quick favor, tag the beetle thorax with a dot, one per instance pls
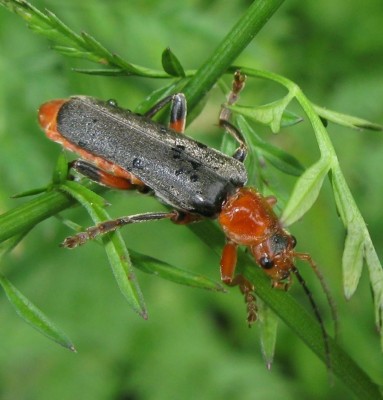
(247, 218)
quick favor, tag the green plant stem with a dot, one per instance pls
(229, 49)
(29, 214)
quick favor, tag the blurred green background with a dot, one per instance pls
(195, 344)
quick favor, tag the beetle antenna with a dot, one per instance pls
(317, 314)
(334, 315)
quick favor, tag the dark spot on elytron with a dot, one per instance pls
(180, 146)
(194, 178)
(94, 120)
(195, 164)
(82, 143)
(180, 171)
(163, 129)
(201, 145)
(176, 153)
(138, 163)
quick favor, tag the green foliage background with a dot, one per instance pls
(195, 344)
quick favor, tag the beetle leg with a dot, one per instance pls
(228, 264)
(177, 111)
(237, 86)
(159, 106)
(241, 152)
(111, 225)
(105, 178)
(225, 114)
(184, 218)
(247, 289)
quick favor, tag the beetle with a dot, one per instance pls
(124, 150)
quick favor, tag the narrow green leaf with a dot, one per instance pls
(134, 69)
(353, 220)
(24, 9)
(96, 46)
(339, 196)
(102, 71)
(50, 34)
(281, 160)
(88, 197)
(69, 223)
(346, 120)
(376, 278)
(121, 265)
(171, 64)
(33, 316)
(352, 260)
(63, 28)
(273, 114)
(114, 245)
(31, 192)
(159, 94)
(290, 119)
(76, 53)
(268, 325)
(166, 271)
(60, 172)
(305, 192)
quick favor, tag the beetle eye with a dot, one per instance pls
(293, 241)
(266, 263)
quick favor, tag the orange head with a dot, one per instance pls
(276, 255)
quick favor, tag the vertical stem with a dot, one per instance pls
(229, 49)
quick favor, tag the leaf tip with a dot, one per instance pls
(144, 315)
(348, 293)
(72, 348)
